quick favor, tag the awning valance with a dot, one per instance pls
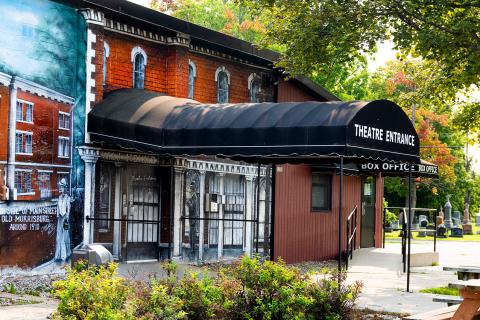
(144, 120)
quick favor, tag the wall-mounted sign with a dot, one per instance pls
(388, 167)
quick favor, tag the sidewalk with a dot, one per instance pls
(381, 272)
(31, 311)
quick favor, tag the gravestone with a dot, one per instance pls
(448, 213)
(456, 232)
(395, 224)
(422, 220)
(455, 222)
(422, 234)
(439, 220)
(477, 219)
(467, 224)
(442, 231)
(456, 214)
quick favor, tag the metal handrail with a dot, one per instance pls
(351, 234)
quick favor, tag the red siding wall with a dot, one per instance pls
(289, 91)
(4, 101)
(303, 235)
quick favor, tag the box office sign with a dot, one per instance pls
(428, 170)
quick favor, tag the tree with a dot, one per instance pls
(317, 34)
(220, 15)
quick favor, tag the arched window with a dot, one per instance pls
(139, 61)
(254, 87)
(192, 74)
(222, 77)
(106, 54)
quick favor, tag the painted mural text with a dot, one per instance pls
(27, 219)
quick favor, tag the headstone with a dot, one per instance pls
(448, 213)
(422, 234)
(439, 220)
(431, 233)
(440, 213)
(455, 222)
(467, 224)
(442, 231)
(456, 232)
(422, 219)
(395, 224)
(477, 219)
(456, 214)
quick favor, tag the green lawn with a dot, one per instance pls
(441, 290)
(474, 237)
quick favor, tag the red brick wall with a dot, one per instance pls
(119, 63)
(4, 101)
(289, 91)
(206, 87)
(167, 70)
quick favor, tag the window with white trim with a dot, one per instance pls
(192, 74)
(222, 77)
(63, 147)
(106, 55)
(139, 61)
(23, 142)
(24, 112)
(23, 181)
(63, 120)
(44, 184)
(254, 87)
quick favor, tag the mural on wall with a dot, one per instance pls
(42, 114)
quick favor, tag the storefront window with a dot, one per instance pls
(321, 191)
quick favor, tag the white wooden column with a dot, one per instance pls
(90, 156)
(220, 214)
(248, 215)
(117, 213)
(177, 212)
(202, 215)
(12, 127)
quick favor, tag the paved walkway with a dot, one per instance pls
(32, 311)
(385, 283)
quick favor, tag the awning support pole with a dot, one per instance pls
(170, 216)
(257, 227)
(340, 205)
(272, 213)
(409, 228)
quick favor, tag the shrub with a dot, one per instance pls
(249, 289)
(333, 298)
(265, 290)
(91, 293)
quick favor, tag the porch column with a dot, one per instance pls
(90, 156)
(202, 215)
(220, 215)
(177, 213)
(12, 127)
(117, 213)
(248, 215)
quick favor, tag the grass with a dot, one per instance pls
(442, 290)
(466, 237)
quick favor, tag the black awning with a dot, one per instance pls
(139, 119)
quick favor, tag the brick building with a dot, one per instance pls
(35, 141)
(169, 102)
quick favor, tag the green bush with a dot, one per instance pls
(266, 290)
(91, 293)
(249, 289)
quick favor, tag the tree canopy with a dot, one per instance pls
(317, 34)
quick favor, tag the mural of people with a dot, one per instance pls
(63, 250)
